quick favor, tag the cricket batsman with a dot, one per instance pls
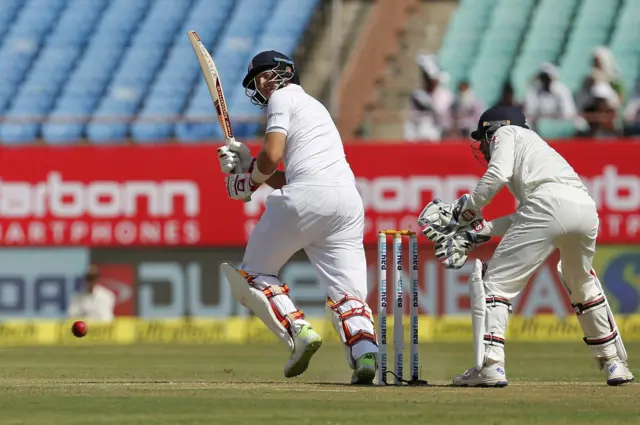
(555, 212)
(315, 206)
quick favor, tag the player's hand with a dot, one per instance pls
(440, 221)
(240, 186)
(235, 158)
(454, 251)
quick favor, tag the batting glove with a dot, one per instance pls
(235, 158)
(440, 221)
(454, 251)
(240, 186)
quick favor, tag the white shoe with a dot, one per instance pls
(493, 375)
(618, 372)
(306, 343)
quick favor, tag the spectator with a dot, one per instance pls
(508, 97)
(465, 111)
(422, 123)
(583, 98)
(600, 113)
(632, 114)
(430, 109)
(95, 301)
(548, 97)
(605, 70)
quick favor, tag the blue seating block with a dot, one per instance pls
(71, 59)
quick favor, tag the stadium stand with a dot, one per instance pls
(464, 34)
(111, 70)
(625, 42)
(499, 47)
(491, 43)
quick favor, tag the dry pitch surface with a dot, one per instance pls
(216, 385)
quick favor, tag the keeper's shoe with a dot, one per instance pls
(617, 371)
(305, 344)
(365, 371)
(492, 375)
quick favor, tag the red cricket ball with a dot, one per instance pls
(79, 329)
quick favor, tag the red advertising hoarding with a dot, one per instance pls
(172, 195)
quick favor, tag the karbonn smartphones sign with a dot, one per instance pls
(174, 195)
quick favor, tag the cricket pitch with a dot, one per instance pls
(555, 383)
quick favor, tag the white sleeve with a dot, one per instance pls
(106, 305)
(73, 310)
(631, 111)
(567, 104)
(531, 103)
(499, 226)
(500, 167)
(278, 113)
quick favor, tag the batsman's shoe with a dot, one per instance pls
(306, 343)
(618, 372)
(492, 375)
(365, 371)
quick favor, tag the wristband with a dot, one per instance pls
(257, 177)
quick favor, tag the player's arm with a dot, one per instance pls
(106, 303)
(499, 226)
(270, 156)
(500, 167)
(74, 309)
(274, 142)
(277, 180)
(263, 168)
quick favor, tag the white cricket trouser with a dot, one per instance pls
(553, 217)
(326, 221)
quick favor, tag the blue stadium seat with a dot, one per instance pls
(8, 12)
(56, 131)
(151, 132)
(107, 133)
(246, 23)
(100, 131)
(18, 133)
(62, 133)
(73, 63)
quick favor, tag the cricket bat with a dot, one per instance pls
(214, 84)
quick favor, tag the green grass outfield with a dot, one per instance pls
(555, 383)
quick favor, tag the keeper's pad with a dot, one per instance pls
(596, 320)
(489, 318)
(268, 299)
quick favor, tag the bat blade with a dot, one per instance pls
(214, 84)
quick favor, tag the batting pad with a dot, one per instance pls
(268, 299)
(352, 319)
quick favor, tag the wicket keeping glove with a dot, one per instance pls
(235, 158)
(454, 251)
(440, 221)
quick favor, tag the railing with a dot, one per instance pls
(76, 119)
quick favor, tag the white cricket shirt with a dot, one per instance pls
(523, 161)
(97, 305)
(313, 150)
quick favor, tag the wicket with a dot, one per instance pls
(398, 306)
